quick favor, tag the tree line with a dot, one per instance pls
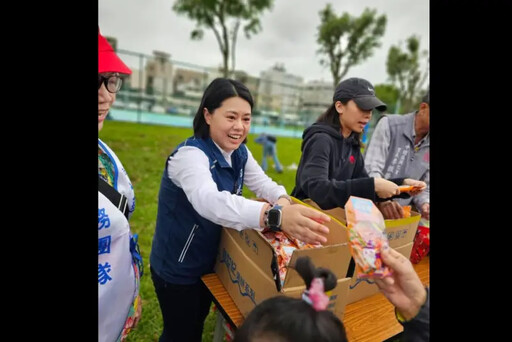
(344, 41)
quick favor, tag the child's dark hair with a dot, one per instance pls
(307, 270)
(216, 92)
(286, 319)
(332, 118)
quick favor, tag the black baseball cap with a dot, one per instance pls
(361, 91)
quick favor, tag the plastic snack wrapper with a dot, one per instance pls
(407, 210)
(284, 246)
(408, 188)
(421, 246)
(366, 237)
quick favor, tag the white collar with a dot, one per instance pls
(226, 155)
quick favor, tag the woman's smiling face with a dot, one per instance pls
(230, 123)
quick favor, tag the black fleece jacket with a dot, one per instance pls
(331, 168)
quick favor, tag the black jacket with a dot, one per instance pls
(331, 168)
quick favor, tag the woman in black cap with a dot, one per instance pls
(331, 167)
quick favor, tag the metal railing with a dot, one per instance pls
(160, 85)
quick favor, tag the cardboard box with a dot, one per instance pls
(400, 234)
(247, 267)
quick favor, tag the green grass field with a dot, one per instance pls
(143, 150)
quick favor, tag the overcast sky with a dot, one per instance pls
(288, 34)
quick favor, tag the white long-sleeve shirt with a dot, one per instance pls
(189, 169)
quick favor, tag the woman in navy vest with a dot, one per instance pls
(200, 192)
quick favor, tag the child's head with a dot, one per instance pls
(286, 319)
(224, 113)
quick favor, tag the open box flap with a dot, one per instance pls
(334, 257)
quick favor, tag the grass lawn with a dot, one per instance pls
(143, 150)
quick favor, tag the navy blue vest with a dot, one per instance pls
(185, 244)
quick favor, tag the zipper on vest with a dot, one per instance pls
(187, 244)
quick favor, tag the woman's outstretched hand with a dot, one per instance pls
(305, 223)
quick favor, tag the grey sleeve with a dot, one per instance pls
(424, 197)
(377, 150)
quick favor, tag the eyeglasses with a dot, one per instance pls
(113, 82)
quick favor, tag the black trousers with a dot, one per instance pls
(184, 309)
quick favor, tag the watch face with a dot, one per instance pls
(274, 217)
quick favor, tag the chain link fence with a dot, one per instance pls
(165, 91)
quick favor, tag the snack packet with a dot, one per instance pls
(284, 246)
(408, 188)
(421, 246)
(366, 237)
(407, 210)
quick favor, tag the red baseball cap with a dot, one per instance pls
(108, 61)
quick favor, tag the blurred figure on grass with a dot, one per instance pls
(269, 150)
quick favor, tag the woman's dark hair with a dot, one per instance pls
(286, 319)
(332, 118)
(216, 92)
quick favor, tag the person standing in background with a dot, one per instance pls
(269, 143)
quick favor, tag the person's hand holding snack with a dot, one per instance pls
(403, 288)
(418, 186)
(385, 188)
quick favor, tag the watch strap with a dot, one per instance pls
(265, 216)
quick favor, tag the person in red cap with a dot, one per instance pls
(110, 66)
(119, 261)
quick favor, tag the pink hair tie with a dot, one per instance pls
(315, 295)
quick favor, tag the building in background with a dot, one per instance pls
(159, 74)
(189, 85)
(316, 98)
(280, 92)
(161, 85)
(251, 82)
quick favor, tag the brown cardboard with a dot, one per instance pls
(244, 266)
(400, 234)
